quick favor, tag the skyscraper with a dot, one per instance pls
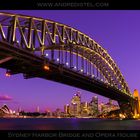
(84, 109)
(75, 107)
(67, 109)
(93, 106)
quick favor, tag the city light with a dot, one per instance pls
(122, 116)
(76, 108)
(81, 70)
(57, 59)
(46, 67)
(67, 63)
(7, 74)
(74, 67)
(136, 116)
(47, 54)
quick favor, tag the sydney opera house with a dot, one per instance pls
(5, 111)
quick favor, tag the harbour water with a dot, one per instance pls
(67, 124)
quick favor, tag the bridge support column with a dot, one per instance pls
(136, 104)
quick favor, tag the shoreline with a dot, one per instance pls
(67, 118)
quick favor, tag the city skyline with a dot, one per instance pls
(114, 32)
(75, 100)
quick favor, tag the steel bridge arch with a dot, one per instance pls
(39, 35)
(93, 61)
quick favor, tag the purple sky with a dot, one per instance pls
(116, 31)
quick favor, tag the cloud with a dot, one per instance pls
(5, 98)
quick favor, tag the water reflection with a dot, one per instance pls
(68, 124)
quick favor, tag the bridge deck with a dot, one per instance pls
(32, 66)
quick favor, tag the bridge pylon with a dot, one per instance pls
(136, 104)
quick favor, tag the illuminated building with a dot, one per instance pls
(67, 109)
(75, 107)
(93, 106)
(103, 108)
(5, 111)
(84, 109)
(108, 107)
(57, 113)
(111, 106)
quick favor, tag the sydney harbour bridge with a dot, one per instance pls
(47, 49)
